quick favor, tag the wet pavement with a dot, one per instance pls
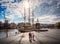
(45, 37)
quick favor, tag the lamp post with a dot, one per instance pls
(26, 6)
(6, 24)
(33, 19)
(3, 8)
(29, 13)
(24, 18)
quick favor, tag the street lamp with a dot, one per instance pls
(3, 8)
(26, 6)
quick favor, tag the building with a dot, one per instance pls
(37, 25)
(20, 26)
(1, 25)
(13, 26)
(24, 26)
(6, 24)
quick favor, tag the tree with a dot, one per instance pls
(1, 25)
(57, 25)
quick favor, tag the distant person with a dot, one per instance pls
(30, 36)
(15, 32)
(33, 37)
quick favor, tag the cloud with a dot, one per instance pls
(48, 11)
(48, 19)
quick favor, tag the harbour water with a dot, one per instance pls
(10, 33)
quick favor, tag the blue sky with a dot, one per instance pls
(47, 11)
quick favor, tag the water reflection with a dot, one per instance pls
(10, 33)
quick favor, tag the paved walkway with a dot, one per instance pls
(48, 37)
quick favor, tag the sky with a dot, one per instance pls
(46, 11)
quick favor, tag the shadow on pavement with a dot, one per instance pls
(21, 38)
(41, 30)
(38, 40)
